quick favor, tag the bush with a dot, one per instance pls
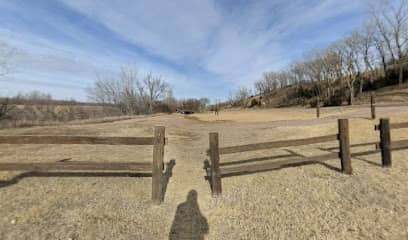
(5, 109)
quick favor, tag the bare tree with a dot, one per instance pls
(268, 83)
(392, 24)
(128, 93)
(352, 63)
(6, 54)
(156, 89)
(241, 95)
(367, 45)
(5, 109)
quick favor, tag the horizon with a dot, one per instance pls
(202, 48)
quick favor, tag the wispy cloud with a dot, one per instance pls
(203, 48)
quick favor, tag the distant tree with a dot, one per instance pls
(156, 89)
(204, 103)
(268, 83)
(241, 95)
(5, 109)
(391, 20)
(352, 67)
(6, 54)
(128, 93)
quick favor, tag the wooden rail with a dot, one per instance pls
(399, 125)
(277, 144)
(217, 170)
(244, 169)
(22, 139)
(155, 168)
(77, 166)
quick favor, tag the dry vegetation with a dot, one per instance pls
(49, 114)
(306, 202)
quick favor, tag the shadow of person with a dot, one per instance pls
(189, 223)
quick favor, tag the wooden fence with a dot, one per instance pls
(218, 170)
(386, 144)
(155, 168)
(373, 106)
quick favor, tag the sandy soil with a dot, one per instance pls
(306, 202)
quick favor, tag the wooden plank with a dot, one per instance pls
(266, 166)
(385, 136)
(399, 144)
(399, 125)
(76, 140)
(77, 166)
(157, 170)
(344, 140)
(277, 144)
(215, 165)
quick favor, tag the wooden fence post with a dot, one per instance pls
(373, 115)
(344, 139)
(385, 136)
(215, 165)
(157, 166)
(318, 107)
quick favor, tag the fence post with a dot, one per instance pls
(318, 107)
(385, 136)
(373, 115)
(157, 166)
(344, 139)
(215, 165)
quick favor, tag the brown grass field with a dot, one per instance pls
(313, 201)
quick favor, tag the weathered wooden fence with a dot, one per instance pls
(386, 144)
(155, 168)
(373, 106)
(217, 170)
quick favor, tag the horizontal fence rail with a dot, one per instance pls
(217, 170)
(399, 125)
(155, 167)
(277, 144)
(243, 169)
(76, 140)
(76, 166)
(401, 144)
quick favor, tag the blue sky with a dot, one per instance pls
(203, 48)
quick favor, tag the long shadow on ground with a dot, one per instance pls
(166, 175)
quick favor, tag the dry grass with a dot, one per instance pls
(274, 114)
(307, 202)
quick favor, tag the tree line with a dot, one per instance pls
(140, 95)
(374, 53)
